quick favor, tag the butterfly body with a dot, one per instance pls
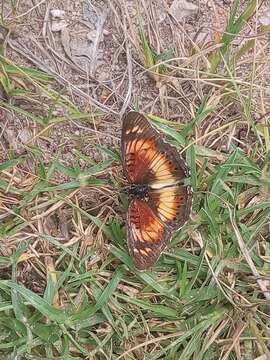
(139, 191)
(160, 200)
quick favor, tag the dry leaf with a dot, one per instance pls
(197, 237)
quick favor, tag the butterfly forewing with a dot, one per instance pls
(149, 160)
(147, 235)
(141, 154)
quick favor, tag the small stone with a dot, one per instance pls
(24, 135)
(264, 20)
(182, 8)
(58, 14)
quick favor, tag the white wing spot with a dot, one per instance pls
(135, 129)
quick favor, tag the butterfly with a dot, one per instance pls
(160, 201)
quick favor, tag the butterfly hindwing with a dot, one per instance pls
(147, 235)
(172, 205)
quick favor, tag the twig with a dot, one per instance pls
(237, 335)
(128, 94)
(36, 6)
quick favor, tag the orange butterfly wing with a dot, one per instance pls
(147, 235)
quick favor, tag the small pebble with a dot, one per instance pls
(91, 35)
(265, 19)
(24, 135)
(57, 13)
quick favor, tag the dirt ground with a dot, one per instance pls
(93, 49)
